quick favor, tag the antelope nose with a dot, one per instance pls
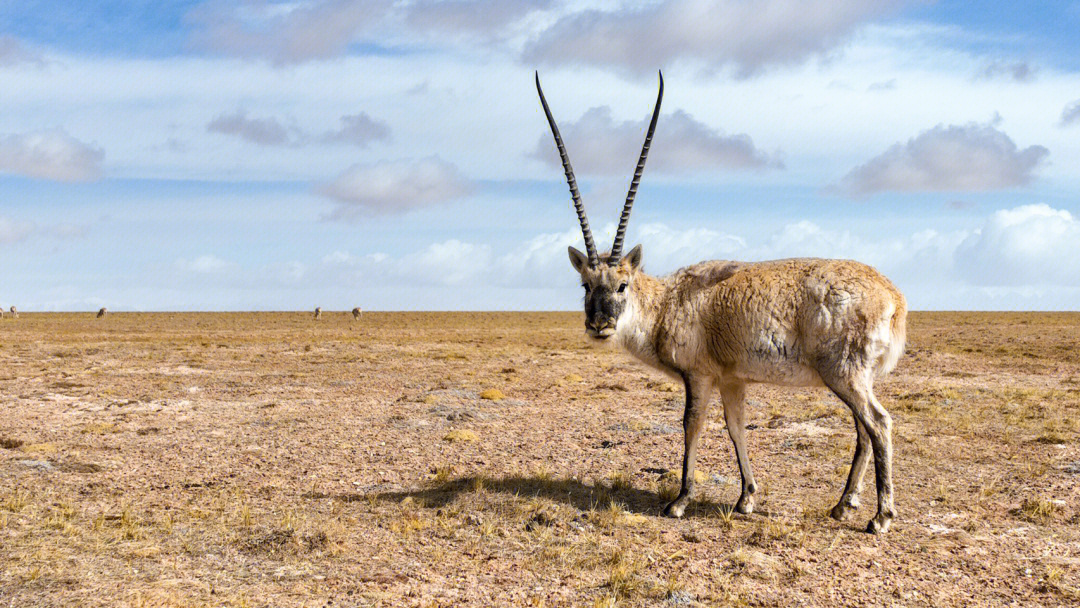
(599, 325)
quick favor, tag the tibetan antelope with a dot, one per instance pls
(318, 313)
(357, 313)
(720, 326)
(102, 312)
(14, 313)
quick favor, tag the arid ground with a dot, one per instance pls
(497, 459)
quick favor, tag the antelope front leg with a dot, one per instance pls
(734, 398)
(849, 501)
(698, 391)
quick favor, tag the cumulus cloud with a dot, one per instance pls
(395, 186)
(358, 130)
(51, 155)
(444, 263)
(748, 36)
(953, 158)
(1026, 245)
(1020, 71)
(1071, 114)
(284, 32)
(261, 131)
(12, 52)
(477, 18)
(598, 144)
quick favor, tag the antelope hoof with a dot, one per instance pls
(879, 525)
(843, 509)
(745, 504)
(676, 508)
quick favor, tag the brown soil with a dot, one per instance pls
(494, 459)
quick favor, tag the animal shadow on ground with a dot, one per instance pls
(569, 491)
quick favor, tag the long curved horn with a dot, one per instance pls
(616, 247)
(590, 246)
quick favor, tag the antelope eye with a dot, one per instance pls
(622, 288)
(586, 287)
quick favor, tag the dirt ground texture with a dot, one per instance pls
(499, 459)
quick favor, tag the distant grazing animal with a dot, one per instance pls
(14, 313)
(723, 325)
(356, 313)
(318, 313)
(101, 313)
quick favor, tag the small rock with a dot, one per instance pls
(719, 479)
(40, 465)
(573, 378)
(680, 598)
(474, 519)
(1073, 467)
(493, 394)
(691, 536)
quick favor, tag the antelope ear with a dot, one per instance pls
(577, 259)
(633, 258)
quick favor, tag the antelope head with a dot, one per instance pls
(608, 279)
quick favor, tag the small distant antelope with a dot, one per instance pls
(101, 313)
(723, 325)
(14, 313)
(318, 312)
(357, 313)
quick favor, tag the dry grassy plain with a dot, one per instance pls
(497, 459)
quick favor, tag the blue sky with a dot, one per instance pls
(265, 155)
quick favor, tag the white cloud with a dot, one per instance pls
(488, 21)
(284, 32)
(1027, 245)
(261, 131)
(395, 186)
(12, 52)
(665, 248)
(748, 36)
(12, 230)
(358, 130)
(597, 144)
(355, 129)
(51, 155)
(955, 158)
(1071, 113)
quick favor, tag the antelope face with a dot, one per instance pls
(607, 289)
(608, 280)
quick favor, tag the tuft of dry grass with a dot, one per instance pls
(461, 435)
